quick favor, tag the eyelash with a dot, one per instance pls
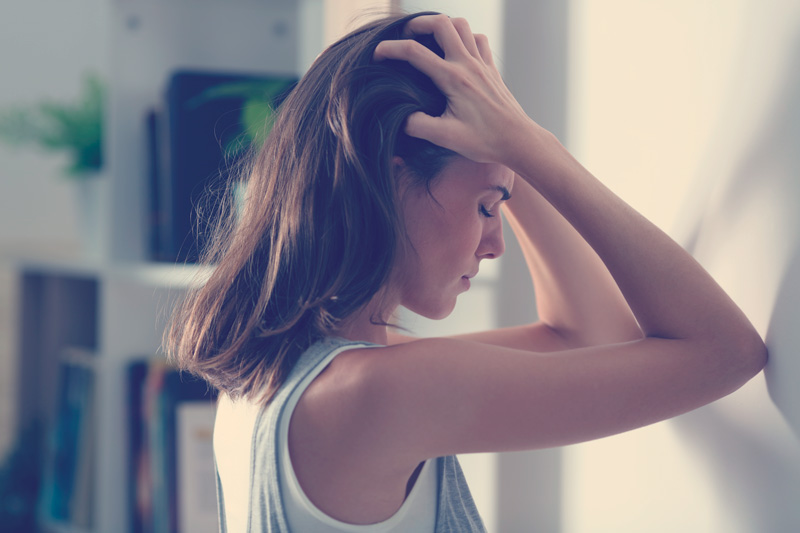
(485, 212)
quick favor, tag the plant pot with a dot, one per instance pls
(90, 200)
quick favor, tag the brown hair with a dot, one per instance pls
(320, 226)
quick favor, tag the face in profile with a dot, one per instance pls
(450, 231)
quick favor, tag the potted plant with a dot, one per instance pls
(74, 128)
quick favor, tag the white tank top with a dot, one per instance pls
(233, 438)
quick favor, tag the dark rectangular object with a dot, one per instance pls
(204, 120)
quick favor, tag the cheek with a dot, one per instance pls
(427, 226)
(464, 235)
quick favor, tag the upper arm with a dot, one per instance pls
(538, 337)
(437, 397)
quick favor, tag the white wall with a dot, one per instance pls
(46, 46)
(689, 111)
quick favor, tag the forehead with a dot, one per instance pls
(469, 174)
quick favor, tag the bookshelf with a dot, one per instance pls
(113, 314)
(113, 307)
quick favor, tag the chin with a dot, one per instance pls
(433, 311)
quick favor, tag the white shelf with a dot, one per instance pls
(150, 40)
(148, 274)
(118, 304)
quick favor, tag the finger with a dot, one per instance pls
(439, 131)
(442, 29)
(482, 43)
(462, 27)
(422, 126)
(416, 54)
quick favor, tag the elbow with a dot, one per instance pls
(757, 355)
(748, 353)
(734, 354)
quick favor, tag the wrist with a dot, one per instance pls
(532, 151)
(522, 138)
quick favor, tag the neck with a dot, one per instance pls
(360, 327)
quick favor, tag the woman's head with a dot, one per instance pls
(322, 224)
(452, 226)
(329, 172)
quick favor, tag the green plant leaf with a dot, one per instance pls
(19, 126)
(76, 128)
(257, 118)
(257, 113)
(264, 90)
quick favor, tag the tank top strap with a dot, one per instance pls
(266, 509)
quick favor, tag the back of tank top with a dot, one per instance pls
(257, 490)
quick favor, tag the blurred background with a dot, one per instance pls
(690, 111)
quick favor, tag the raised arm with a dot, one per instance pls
(577, 300)
(576, 296)
(670, 294)
(440, 396)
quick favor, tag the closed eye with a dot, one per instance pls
(485, 212)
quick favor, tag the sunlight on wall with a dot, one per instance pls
(649, 85)
(640, 481)
(646, 87)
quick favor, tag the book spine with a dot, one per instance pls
(68, 486)
(162, 406)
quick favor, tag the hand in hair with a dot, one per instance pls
(482, 115)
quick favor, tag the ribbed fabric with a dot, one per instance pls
(456, 511)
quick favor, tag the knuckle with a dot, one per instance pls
(441, 20)
(460, 23)
(405, 45)
(414, 48)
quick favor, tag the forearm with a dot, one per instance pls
(668, 292)
(575, 294)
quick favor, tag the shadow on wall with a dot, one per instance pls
(747, 235)
(783, 339)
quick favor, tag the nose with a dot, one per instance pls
(492, 244)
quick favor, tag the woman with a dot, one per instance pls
(380, 185)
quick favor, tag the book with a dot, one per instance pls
(196, 477)
(139, 499)
(68, 480)
(158, 231)
(171, 465)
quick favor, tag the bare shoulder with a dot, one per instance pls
(336, 442)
